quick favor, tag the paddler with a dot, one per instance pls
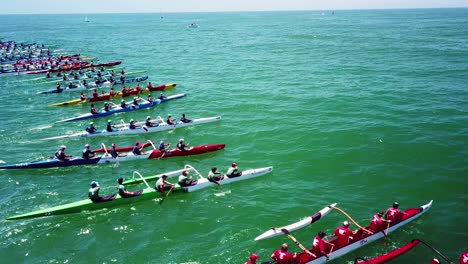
(318, 246)
(233, 171)
(282, 255)
(91, 128)
(93, 110)
(344, 234)
(183, 119)
(393, 214)
(113, 151)
(122, 190)
(87, 153)
(252, 259)
(82, 97)
(170, 120)
(95, 94)
(123, 104)
(110, 126)
(161, 96)
(150, 98)
(133, 124)
(376, 224)
(60, 154)
(182, 146)
(215, 176)
(163, 146)
(149, 86)
(137, 148)
(163, 185)
(93, 193)
(184, 180)
(150, 123)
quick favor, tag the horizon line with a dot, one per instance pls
(243, 11)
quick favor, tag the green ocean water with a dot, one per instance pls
(361, 108)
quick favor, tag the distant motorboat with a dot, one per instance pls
(86, 19)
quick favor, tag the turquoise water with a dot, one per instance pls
(362, 108)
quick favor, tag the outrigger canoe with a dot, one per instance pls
(276, 231)
(74, 67)
(108, 96)
(107, 158)
(130, 107)
(361, 238)
(145, 194)
(82, 87)
(123, 129)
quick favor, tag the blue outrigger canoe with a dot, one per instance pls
(118, 109)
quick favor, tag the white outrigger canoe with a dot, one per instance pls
(276, 231)
(361, 238)
(124, 129)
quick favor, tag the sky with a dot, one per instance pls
(170, 6)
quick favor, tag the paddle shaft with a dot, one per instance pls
(351, 219)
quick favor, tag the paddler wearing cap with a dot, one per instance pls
(233, 171)
(163, 146)
(344, 234)
(133, 124)
(91, 128)
(182, 146)
(61, 155)
(87, 153)
(163, 185)
(393, 213)
(93, 193)
(150, 123)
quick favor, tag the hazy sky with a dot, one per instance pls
(155, 6)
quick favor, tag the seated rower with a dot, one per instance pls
(161, 97)
(85, 83)
(344, 235)
(110, 126)
(163, 146)
(182, 146)
(93, 193)
(136, 99)
(233, 171)
(137, 148)
(377, 223)
(111, 92)
(170, 121)
(113, 151)
(70, 85)
(163, 185)
(393, 214)
(123, 104)
(124, 91)
(95, 94)
(151, 123)
(91, 128)
(184, 180)
(183, 119)
(133, 124)
(123, 191)
(150, 98)
(87, 153)
(138, 88)
(94, 111)
(215, 176)
(318, 246)
(60, 154)
(149, 86)
(82, 97)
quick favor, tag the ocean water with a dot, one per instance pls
(361, 108)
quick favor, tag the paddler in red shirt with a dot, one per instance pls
(393, 213)
(95, 94)
(149, 86)
(318, 246)
(377, 223)
(253, 259)
(344, 234)
(282, 255)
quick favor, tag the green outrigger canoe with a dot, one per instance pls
(144, 194)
